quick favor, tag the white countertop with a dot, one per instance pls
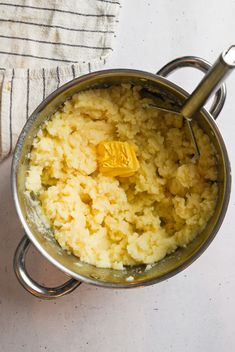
(193, 311)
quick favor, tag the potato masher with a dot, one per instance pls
(207, 86)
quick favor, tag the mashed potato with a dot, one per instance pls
(111, 222)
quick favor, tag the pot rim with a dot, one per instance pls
(15, 162)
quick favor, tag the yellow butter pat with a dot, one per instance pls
(117, 159)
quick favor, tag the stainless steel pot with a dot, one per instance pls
(45, 243)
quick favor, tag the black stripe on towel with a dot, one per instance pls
(10, 121)
(55, 10)
(27, 96)
(73, 71)
(36, 57)
(54, 26)
(110, 2)
(58, 76)
(43, 84)
(55, 43)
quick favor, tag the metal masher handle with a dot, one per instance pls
(202, 65)
(210, 83)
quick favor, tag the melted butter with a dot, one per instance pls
(117, 159)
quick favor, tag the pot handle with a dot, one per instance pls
(202, 65)
(32, 286)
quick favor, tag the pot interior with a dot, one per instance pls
(171, 95)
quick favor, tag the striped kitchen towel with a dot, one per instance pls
(44, 44)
